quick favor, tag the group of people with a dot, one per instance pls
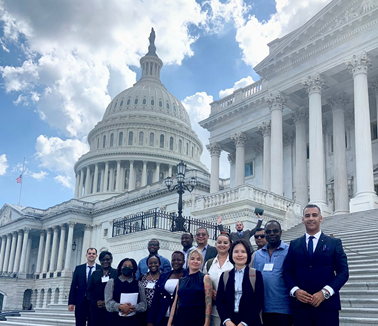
(228, 284)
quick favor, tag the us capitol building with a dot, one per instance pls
(306, 131)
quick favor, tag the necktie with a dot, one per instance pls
(310, 246)
(89, 273)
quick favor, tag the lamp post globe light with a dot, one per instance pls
(180, 187)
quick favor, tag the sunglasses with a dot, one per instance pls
(262, 236)
(275, 231)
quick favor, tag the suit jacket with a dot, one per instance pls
(95, 288)
(328, 266)
(251, 303)
(79, 284)
(211, 252)
(247, 234)
(161, 300)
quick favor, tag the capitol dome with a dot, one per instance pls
(144, 134)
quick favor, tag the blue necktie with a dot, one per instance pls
(89, 273)
(311, 246)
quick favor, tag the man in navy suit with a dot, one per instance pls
(77, 299)
(314, 271)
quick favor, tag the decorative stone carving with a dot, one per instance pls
(366, 6)
(338, 101)
(264, 128)
(288, 138)
(214, 149)
(359, 64)
(276, 101)
(299, 115)
(258, 148)
(231, 158)
(239, 138)
(374, 88)
(314, 84)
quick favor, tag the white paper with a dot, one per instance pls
(268, 267)
(131, 298)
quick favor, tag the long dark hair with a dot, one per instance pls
(133, 262)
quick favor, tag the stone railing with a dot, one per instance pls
(236, 97)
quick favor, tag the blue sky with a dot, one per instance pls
(62, 61)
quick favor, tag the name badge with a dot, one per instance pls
(150, 285)
(104, 279)
(268, 267)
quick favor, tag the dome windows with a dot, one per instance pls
(131, 135)
(152, 102)
(115, 105)
(160, 104)
(167, 106)
(141, 136)
(186, 149)
(104, 141)
(171, 143)
(144, 101)
(161, 141)
(174, 107)
(136, 101)
(180, 146)
(98, 143)
(152, 139)
(111, 140)
(120, 139)
(121, 103)
(128, 102)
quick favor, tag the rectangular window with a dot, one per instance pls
(374, 131)
(105, 233)
(249, 169)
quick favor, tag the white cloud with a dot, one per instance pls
(59, 156)
(254, 35)
(78, 53)
(239, 84)
(38, 176)
(3, 164)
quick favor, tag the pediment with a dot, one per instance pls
(8, 214)
(336, 16)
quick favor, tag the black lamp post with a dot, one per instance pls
(180, 187)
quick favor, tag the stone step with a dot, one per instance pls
(351, 321)
(359, 312)
(358, 303)
(53, 310)
(366, 278)
(363, 271)
(355, 294)
(51, 315)
(37, 321)
(361, 285)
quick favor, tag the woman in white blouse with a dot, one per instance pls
(215, 267)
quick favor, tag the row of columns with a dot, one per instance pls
(84, 177)
(273, 146)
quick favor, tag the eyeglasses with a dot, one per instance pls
(262, 236)
(275, 231)
(105, 259)
(201, 234)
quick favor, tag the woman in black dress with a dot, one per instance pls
(125, 313)
(96, 287)
(192, 305)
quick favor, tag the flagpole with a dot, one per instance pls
(22, 181)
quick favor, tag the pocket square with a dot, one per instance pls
(325, 248)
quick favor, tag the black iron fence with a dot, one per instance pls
(156, 219)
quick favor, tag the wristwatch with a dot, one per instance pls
(326, 294)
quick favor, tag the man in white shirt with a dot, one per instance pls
(187, 246)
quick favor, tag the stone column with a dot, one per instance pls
(239, 140)
(87, 189)
(131, 177)
(2, 252)
(67, 261)
(300, 117)
(157, 172)
(16, 264)
(144, 174)
(62, 241)
(365, 197)
(77, 185)
(7, 252)
(170, 170)
(337, 103)
(314, 86)
(264, 128)
(111, 179)
(40, 251)
(215, 151)
(276, 103)
(95, 179)
(12, 252)
(119, 175)
(81, 183)
(86, 241)
(54, 249)
(47, 251)
(24, 250)
(105, 183)
(27, 261)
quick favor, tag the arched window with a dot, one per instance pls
(115, 105)
(121, 103)
(187, 149)
(167, 106)
(144, 101)
(180, 146)
(131, 138)
(161, 141)
(171, 143)
(192, 151)
(161, 104)
(104, 141)
(152, 102)
(120, 139)
(152, 139)
(136, 101)
(128, 102)
(150, 175)
(111, 140)
(141, 136)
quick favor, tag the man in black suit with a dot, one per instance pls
(208, 252)
(240, 232)
(314, 271)
(77, 299)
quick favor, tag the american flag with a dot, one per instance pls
(19, 179)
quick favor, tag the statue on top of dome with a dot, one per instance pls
(152, 47)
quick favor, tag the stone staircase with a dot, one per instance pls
(359, 234)
(53, 315)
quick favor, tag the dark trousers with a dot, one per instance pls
(99, 317)
(275, 319)
(82, 313)
(315, 317)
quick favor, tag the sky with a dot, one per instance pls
(63, 61)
